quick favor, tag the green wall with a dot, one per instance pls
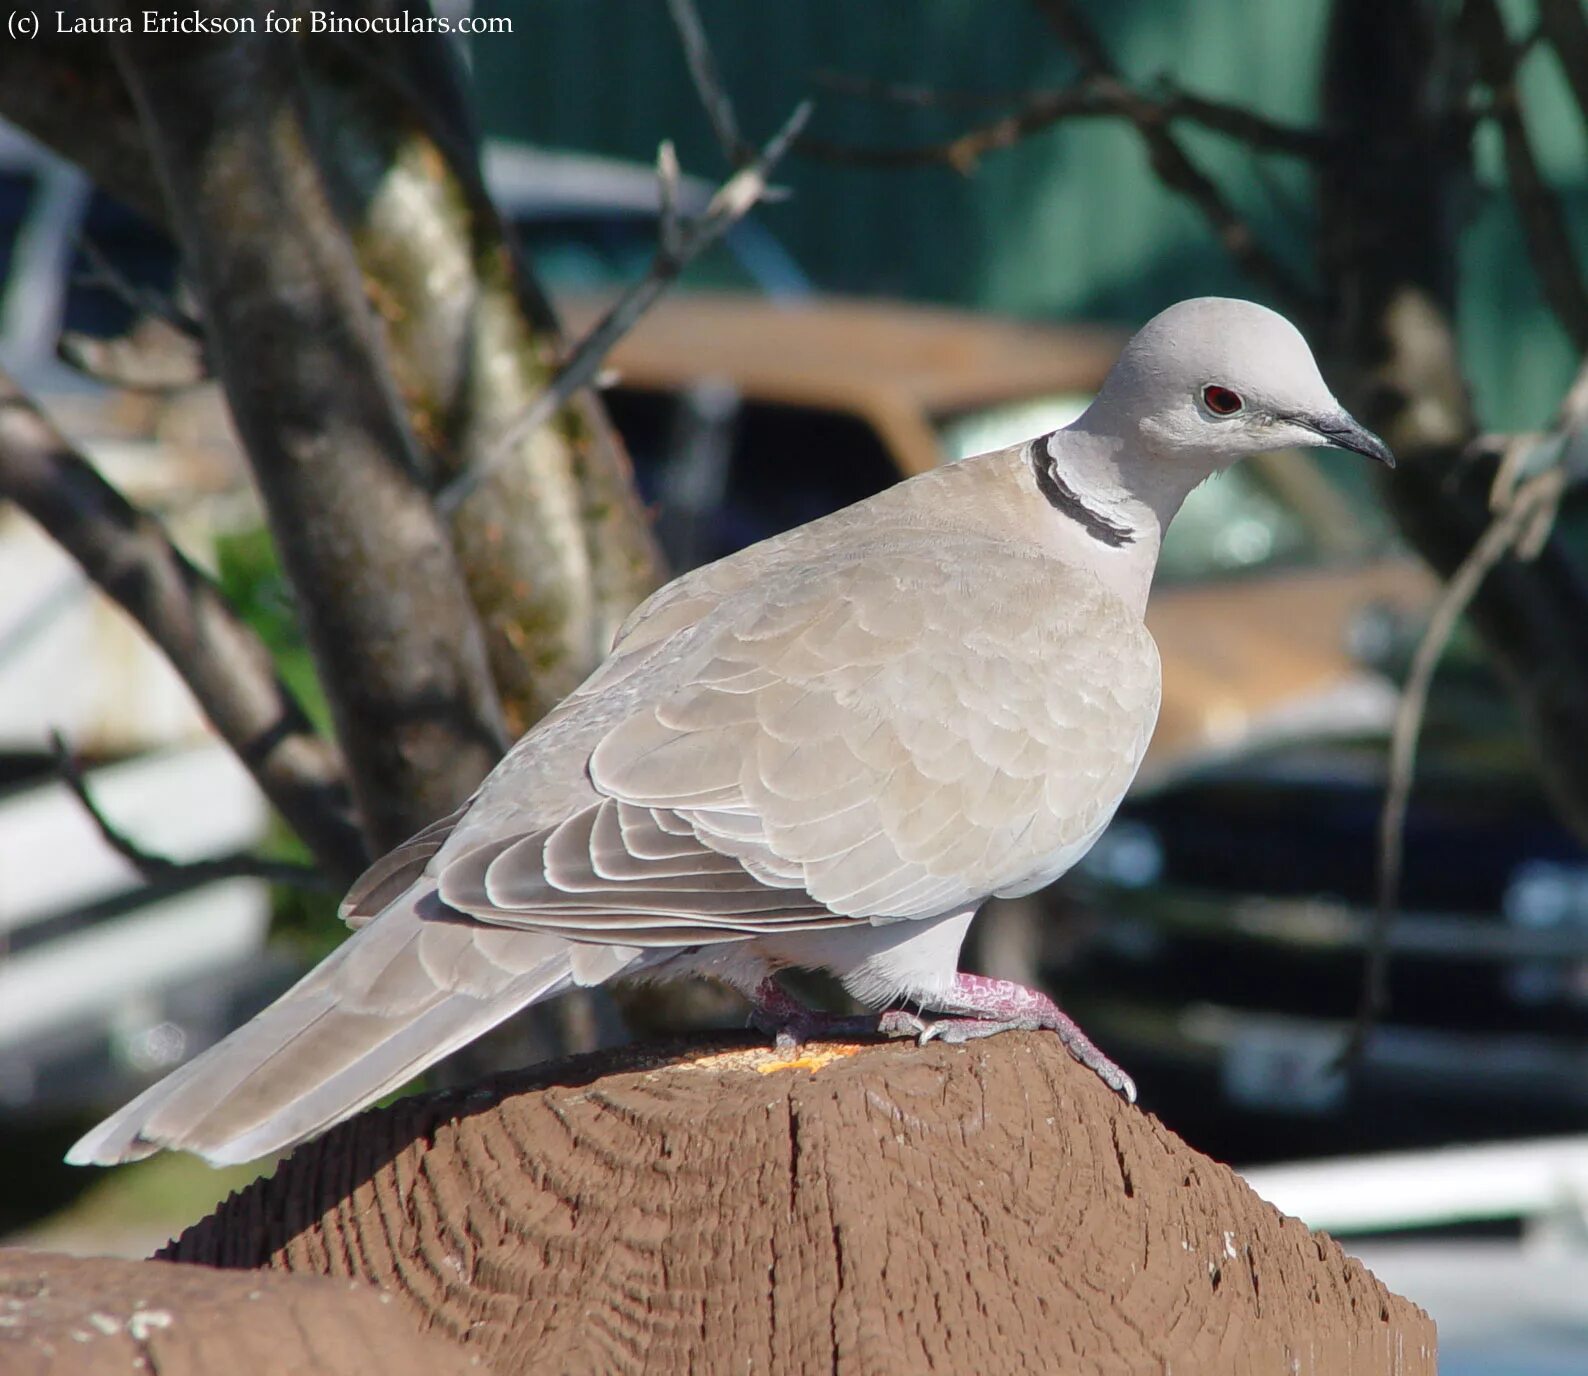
(1070, 223)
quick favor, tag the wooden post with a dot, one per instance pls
(95, 1316)
(877, 1209)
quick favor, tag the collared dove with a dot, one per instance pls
(825, 751)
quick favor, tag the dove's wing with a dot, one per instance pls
(892, 734)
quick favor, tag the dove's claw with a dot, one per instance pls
(982, 1007)
(898, 1022)
(973, 1007)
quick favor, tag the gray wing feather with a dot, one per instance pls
(884, 738)
(392, 999)
(389, 877)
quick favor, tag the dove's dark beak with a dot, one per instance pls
(1342, 432)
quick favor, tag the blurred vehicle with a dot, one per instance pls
(1215, 934)
(1231, 911)
(745, 416)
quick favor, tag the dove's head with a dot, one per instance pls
(1211, 380)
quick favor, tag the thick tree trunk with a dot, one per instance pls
(379, 590)
(882, 1209)
(554, 545)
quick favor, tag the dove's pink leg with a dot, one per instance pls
(779, 1014)
(982, 1007)
(976, 1006)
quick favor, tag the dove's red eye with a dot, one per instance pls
(1221, 401)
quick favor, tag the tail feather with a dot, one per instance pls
(397, 996)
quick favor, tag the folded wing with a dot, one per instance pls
(890, 737)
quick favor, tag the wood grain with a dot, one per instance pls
(897, 1209)
(82, 1316)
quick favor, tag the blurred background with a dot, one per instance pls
(984, 201)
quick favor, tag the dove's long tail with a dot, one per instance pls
(397, 996)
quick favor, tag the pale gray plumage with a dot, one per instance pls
(827, 750)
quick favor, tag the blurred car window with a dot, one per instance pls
(144, 260)
(785, 465)
(16, 192)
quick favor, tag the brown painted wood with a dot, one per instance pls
(83, 1316)
(899, 1209)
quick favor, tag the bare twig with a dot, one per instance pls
(1029, 113)
(344, 483)
(144, 300)
(163, 351)
(708, 82)
(732, 201)
(1525, 499)
(224, 663)
(669, 227)
(158, 869)
(1536, 496)
(1261, 133)
(965, 151)
(1549, 240)
(1173, 165)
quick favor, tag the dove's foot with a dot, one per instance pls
(790, 1023)
(982, 1007)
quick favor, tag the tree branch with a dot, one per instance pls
(1260, 133)
(1549, 240)
(965, 151)
(224, 664)
(1089, 98)
(144, 300)
(67, 93)
(1174, 166)
(556, 547)
(157, 869)
(708, 82)
(1535, 499)
(677, 247)
(164, 349)
(384, 605)
(1525, 508)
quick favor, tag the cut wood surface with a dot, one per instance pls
(82, 1316)
(876, 1209)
